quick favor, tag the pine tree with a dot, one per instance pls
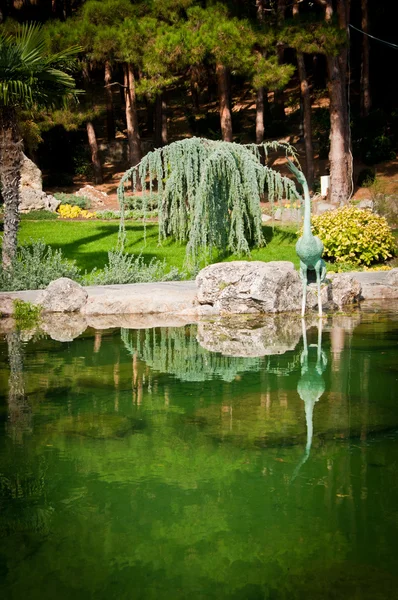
(227, 44)
(340, 157)
(98, 23)
(306, 99)
(311, 36)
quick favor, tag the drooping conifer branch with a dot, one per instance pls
(175, 350)
(209, 193)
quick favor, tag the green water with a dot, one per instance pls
(142, 465)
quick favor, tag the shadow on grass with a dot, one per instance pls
(282, 233)
(91, 249)
(138, 241)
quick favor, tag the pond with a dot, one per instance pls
(226, 459)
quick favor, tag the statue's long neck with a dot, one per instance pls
(307, 211)
(309, 411)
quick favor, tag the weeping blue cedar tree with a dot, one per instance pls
(210, 193)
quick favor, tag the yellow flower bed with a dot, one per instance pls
(66, 211)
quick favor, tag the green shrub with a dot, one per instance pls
(39, 215)
(127, 268)
(108, 215)
(151, 201)
(136, 215)
(26, 315)
(35, 266)
(352, 235)
(80, 201)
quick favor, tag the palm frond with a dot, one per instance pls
(29, 76)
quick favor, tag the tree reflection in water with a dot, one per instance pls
(19, 410)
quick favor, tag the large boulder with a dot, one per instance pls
(31, 192)
(63, 295)
(250, 287)
(243, 287)
(340, 289)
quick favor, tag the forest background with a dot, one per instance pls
(156, 71)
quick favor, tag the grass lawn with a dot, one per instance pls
(88, 242)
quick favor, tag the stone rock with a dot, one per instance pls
(63, 295)
(288, 214)
(51, 203)
(63, 328)
(30, 175)
(366, 204)
(265, 218)
(141, 298)
(6, 305)
(95, 196)
(346, 289)
(379, 292)
(392, 277)
(322, 207)
(341, 289)
(32, 199)
(250, 287)
(7, 325)
(270, 335)
(31, 189)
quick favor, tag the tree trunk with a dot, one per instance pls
(3, 14)
(225, 108)
(67, 8)
(150, 115)
(306, 97)
(279, 96)
(91, 135)
(92, 141)
(164, 120)
(261, 93)
(305, 93)
(366, 100)
(19, 410)
(340, 157)
(10, 175)
(59, 9)
(160, 121)
(110, 121)
(260, 116)
(133, 135)
(195, 90)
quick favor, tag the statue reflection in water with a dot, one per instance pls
(311, 385)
